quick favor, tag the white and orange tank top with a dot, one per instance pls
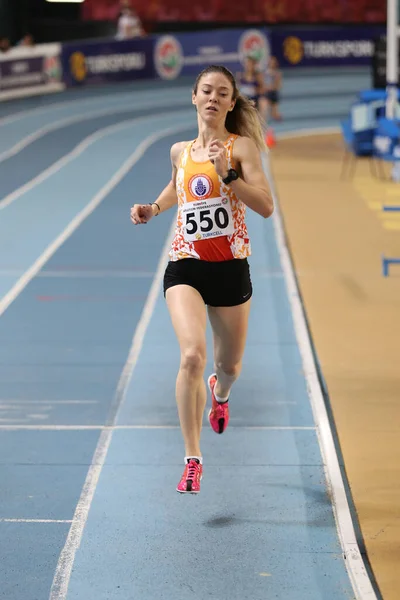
(211, 219)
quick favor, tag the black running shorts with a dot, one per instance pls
(224, 283)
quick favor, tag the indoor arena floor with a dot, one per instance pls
(91, 450)
(338, 235)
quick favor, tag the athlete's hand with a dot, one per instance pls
(141, 213)
(217, 155)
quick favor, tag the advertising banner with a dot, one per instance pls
(188, 53)
(379, 64)
(27, 71)
(107, 61)
(325, 47)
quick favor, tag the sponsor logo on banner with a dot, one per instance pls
(19, 68)
(168, 57)
(293, 49)
(52, 68)
(254, 44)
(77, 65)
(107, 61)
(296, 50)
(25, 71)
(189, 53)
(201, 186)
(82, 66)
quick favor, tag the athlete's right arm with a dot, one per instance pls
(168, 197)
(142, 213)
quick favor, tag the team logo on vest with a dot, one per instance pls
(293, 49)
(254, 44)
(168, 57)
(201, 186)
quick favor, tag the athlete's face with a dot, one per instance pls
(213, 97)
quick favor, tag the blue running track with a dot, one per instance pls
(90, 448)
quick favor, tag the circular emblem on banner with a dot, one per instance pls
(201, 186)
(293, 49)
(254, 44)
(77, 64)
(52, 68)
(168, 57)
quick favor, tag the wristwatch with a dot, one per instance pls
(232, 176)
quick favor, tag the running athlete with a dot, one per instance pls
(250, 81)
(214, 178)
(251, 84)
(273, 80)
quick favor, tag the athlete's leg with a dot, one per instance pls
(188, 315)
(263, 109)
(276, 115)
(229, 325)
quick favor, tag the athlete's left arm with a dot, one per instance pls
(252, 187)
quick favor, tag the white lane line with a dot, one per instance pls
(127, 427)
(41, 110)
(35, 521)
(59, 588)
(21, 427)
(42, 131)
(354, 563)
(133, 96)
(83, 214)
(77, 151)
(93, 274)
(22, 114)
(4, 402)
(276, 427)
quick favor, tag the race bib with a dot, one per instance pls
(205, 219)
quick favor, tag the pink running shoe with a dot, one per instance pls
(190, 481)
(219, 413)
